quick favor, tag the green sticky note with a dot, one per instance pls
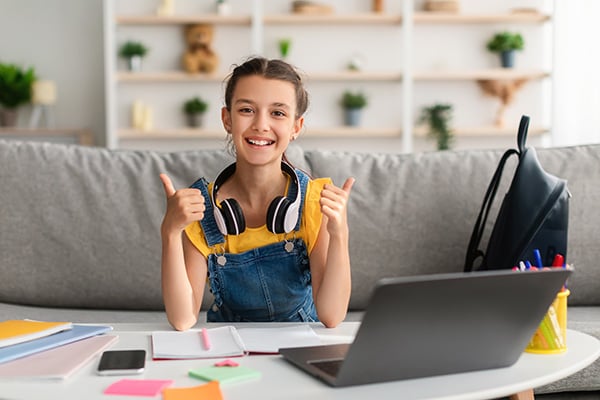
(224, 374)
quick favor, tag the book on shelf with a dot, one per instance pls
(17, 331)
(229, 341)
(77, 332)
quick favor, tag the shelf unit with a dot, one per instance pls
(400, 79)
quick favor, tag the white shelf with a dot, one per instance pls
(482, 74)
(332, 19)
(243, 20)
(208, 133)
(487, 131)
(167, 76)
(458, 18)
(256, 22)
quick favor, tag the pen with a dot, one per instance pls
(538, 258)
(205, 339)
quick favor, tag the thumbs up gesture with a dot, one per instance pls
(184, 206)
(333, 205)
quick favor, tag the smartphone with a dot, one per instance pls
(122, 362)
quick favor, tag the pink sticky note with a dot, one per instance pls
(138, 387)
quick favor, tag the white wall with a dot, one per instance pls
(63, 41)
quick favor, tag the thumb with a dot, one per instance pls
(347, 187)
(167, 184)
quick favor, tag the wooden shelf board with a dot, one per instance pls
(347, 131)
(482, 74)
(354, 76)
(339, 131)
(180, 76)
(183, 19)
(84, 137)
(167, 76)
(338, 19)
(171, 133)
(457, 18)
(440, 75)
(486, 131)
(189, 133)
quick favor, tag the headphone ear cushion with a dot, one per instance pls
(276, 214)
(233, 216)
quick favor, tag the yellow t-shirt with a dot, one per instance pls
(253, 238)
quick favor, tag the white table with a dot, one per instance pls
(281, 380)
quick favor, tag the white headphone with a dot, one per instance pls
(282, 214)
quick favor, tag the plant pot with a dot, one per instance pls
(134, 64)
(507, 58)
(8, 117)
(195, 120)
(352, 116)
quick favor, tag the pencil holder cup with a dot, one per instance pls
(551, 335)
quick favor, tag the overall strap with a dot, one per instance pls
(303, 178)
(209, 224)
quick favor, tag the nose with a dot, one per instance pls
(261, 122)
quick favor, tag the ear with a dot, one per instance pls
(226, 119)
(298, 125)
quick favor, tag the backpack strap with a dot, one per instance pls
(473, 251)
(522, 136)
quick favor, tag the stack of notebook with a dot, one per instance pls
(50, 350)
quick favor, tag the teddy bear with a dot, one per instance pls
(199, 56)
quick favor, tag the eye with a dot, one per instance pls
(245, 110)
(279, 113)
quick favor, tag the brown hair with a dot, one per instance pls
(269, 69)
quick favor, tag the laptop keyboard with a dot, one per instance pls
(330, 367)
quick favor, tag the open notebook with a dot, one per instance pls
(227, 341)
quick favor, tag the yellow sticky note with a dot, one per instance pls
(209, 391)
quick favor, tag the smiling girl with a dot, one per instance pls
(273, 241)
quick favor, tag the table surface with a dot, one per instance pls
(282, 380)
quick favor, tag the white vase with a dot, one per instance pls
(134, 63)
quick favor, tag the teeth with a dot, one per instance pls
(260, 142)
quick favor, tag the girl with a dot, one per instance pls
(273, 242)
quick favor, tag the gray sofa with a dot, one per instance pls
(79, 226)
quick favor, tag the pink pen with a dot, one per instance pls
(205, 339)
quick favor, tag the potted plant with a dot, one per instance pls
(194, 109)
(133, 52)
(437, 117)
(506, 43)
(15, 89)
(353, 103)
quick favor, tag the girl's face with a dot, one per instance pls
(262, 119)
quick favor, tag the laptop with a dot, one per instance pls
(439, 324)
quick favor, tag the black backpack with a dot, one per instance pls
(533, 215)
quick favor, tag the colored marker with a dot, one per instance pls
(205, 339)
(559, 260)
(538, 258)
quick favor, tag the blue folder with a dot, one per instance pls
(77, 332)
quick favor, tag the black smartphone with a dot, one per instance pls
(122, 362)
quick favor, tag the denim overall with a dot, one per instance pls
(265, 284)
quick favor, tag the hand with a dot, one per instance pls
(184, 206)
(333, 205)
